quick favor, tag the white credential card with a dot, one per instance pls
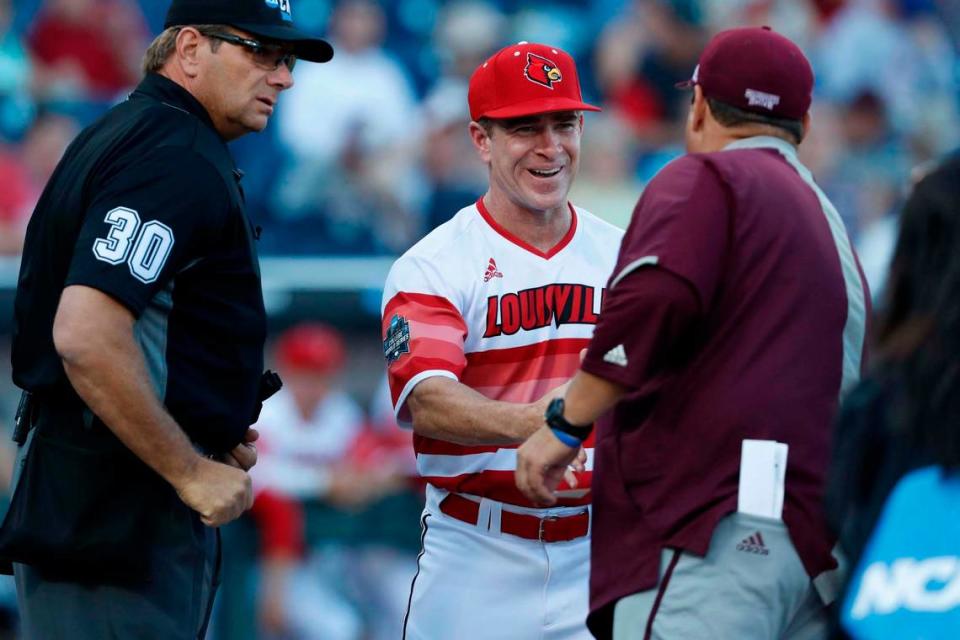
(763, 471)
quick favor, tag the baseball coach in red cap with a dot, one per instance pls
(483, 320)
(733, 323)
(139, 334)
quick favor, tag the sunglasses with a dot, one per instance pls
(267, 56)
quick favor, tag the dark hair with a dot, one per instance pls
(486, 123)
(730, 116)
(920, 328)
(164, 44)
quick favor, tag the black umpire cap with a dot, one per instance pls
(269, 19)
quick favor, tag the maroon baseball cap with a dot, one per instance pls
(525, 79)
(757, 70)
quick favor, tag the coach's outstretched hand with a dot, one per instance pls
(542, 462)
(218, 492)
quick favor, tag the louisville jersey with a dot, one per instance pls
(474, 303)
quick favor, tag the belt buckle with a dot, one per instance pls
(543, 521)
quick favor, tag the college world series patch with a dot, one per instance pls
(397, 341)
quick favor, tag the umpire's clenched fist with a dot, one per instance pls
(218, 492)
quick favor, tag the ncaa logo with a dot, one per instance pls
(283, 5)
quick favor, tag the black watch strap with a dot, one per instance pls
(555, 420)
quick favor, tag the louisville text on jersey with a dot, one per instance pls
(539, 307)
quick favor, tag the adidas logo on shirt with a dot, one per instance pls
(491, 272)
(617, 356)
(754, 544)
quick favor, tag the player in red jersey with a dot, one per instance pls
(483, 318)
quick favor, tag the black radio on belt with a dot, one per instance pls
(270, 383)
(23, 421)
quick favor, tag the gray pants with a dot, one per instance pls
(174, 604)
(750, 586)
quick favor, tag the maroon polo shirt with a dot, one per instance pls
(729, 301)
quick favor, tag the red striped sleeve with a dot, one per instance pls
(437, 334)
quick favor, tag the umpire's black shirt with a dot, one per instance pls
(146, 206)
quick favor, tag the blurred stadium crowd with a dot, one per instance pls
(370, 152)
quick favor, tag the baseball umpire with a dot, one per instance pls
(138, 338)
(737, 311)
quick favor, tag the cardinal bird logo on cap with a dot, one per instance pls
(542, 71)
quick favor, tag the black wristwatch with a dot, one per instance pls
(555, 420)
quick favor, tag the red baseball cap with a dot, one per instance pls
(311, 346)
(523, 80)
(757, 70)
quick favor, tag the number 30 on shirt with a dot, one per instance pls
(145, 252)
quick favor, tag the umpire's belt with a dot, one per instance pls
(548, 529)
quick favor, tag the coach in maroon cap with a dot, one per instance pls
(736, 313)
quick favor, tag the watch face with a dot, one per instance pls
(556, 420)
(554, 409)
